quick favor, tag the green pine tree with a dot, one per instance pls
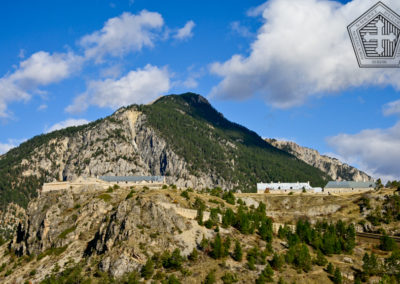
(210, 278)
(266, 275)
(238, 253)
(330, 268)
(148, 269)
(217, 247)
(337, 276)
(193, 256)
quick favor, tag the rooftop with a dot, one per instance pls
(350, 184)
(132, 178)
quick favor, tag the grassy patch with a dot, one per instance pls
(130, 194)
(105, 197)
(64, 234)
(52, 251)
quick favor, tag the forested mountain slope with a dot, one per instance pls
(180, 136)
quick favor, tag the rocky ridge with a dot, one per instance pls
(332, 166)
(181, 137)
(118, 227)
(120, 145)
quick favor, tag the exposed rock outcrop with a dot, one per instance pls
(120, 145)
(332, 166)
(10, 218)
(118, 230)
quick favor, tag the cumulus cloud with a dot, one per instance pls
(40, 69)
(392, 108)
(123, 34)
(186, 31)
(42, 107)
(138, 86)
(376, 151)
(11, 143)
(257, 11)
(21, 54)
(66, 123)
(190, 83)
(43, 68)
(301, 50)
(241, 30)
(118, 37)
(5, 147)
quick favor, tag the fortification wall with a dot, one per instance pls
(47, 187)
(187, 213)
(56, 186)
(281, 191)
(345, 191)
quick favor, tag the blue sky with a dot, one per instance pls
(283, 68)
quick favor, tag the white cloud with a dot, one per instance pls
(241, 30)
(186, 31)
(11, 143)
(190, 83)
(9, 92)
(138, 86)
(257, 11)
(5, 147)
(43, 68)
(113, 71)
(21, 54)
(123, 34)
(66, 123)
(119, 36)
(40, 69)
(42, 107)
(392, 108)
(302, 50)
(376, 151)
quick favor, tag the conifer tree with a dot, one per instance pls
(330, 268)
(217, 247)
(210, 278)
(266, 275)
(238, 253)
(148, 269)
(337, 276)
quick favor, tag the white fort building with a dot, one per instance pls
(333, 187)
(284, 187)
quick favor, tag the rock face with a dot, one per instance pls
(118, 230)
(120, 145)
(181, 137)
(333, 167)
(10, 218)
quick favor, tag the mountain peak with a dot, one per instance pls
(189, 97)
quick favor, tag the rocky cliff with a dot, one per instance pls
(180, 136)
(117, 228)
(133, 235)
(333, 167)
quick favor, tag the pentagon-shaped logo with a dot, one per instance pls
(375, 38)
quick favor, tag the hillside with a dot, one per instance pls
(331, 166)
(180, 136)
(94, 235)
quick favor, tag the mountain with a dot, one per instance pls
(180, 136)
(121, 234)
(331, 166)
(95, 235)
